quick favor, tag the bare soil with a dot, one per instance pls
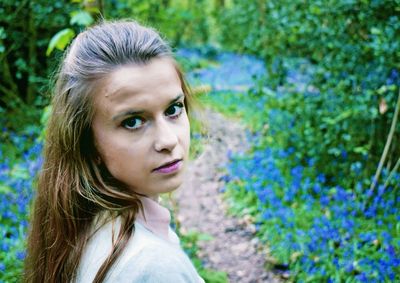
(234, 247)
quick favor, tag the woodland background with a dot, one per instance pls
(322, 178)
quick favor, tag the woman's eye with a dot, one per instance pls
(174, 110)
(132, 123)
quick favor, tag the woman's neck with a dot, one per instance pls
(154, 217)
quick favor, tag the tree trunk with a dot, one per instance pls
(32, 55)
(10, 86)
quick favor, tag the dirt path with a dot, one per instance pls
(233, 248)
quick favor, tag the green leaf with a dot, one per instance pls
(204, 237)
(376, 31)
(81, 18)
(60, 40)
(4, 189)
(19, 172)
(342, 116)
(382, 90)
(314, 9)
(3, 34)
(334, 151)
(45, 115)
(43, 121)
(361, 149)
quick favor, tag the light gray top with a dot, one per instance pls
(149, 256)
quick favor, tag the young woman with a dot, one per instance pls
(117, 138)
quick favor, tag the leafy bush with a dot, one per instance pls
(23, 44)
(179, 21)
(351, 50)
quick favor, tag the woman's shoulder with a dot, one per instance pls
(152, 259)
(145, 258)
(156, 263)
(100, 243)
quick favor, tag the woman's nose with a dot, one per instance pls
(165, 138)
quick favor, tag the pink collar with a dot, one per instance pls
(156, 218)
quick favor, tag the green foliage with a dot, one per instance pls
(179, 20)
(19, 162)
(340, 33)
(60, 40)
(43, 122)
(189, 65)
(311, 214)
(332, 107)
(25, 48)
(81, 18)
(2, 36)
(352, 69)
(236, 105)
(25, 30)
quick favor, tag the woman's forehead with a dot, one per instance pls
(159, 72)
(139, 87)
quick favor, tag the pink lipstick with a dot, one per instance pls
(169, 167)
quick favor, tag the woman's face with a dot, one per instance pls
(141, 127)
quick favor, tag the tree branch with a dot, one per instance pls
(7, 77)
(387, 146)
(9, 94)
(32, 54)
(394, 170)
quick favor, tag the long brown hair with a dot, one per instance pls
(73, 186)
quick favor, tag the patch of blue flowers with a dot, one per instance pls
(318, 230)
(225, 71)
(17, 176)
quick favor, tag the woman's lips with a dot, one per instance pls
(169, 167)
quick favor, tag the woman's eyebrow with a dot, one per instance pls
(179, 96)
(127, 113)
(140, 112)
